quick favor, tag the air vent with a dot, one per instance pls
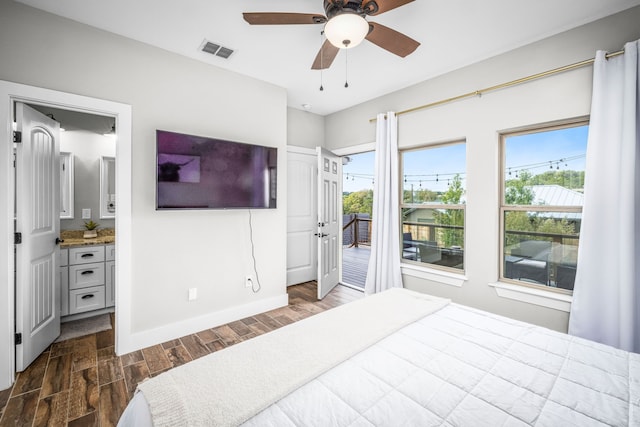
(211, 48)
(216, 49)
(224, 52)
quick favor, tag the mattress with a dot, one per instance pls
(462, 367)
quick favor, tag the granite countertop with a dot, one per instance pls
(74, 238)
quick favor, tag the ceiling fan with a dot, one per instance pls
(345, 27)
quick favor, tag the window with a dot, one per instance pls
(432, 209)
(541, 210)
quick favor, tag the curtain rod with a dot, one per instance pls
(505, 85)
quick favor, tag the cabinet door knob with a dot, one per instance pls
(86, 255)
(87, 272)
(87, 296)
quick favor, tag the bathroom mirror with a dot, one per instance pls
(107, 187)
(66, 185)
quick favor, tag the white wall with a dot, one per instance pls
(171, 251)
(87, 148)
(479, 120)
(304, 129)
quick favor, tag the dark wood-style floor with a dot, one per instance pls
(81, 382)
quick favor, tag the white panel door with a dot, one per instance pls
(302, 217)
(329, 220)
(38, 221)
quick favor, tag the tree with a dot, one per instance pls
(358, 202)
(451, 236)
(565, 178)
(454, 193)
(420, 196)
(518, 191)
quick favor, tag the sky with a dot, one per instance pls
(562, 149)
(428, 169)
(432, 168)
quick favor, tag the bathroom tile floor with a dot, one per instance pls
(81, 382)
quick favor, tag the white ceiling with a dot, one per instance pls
(452, 33)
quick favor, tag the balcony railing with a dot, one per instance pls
(356, 230)
(436, 244)
(541, 258)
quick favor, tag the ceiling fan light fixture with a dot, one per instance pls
(346, 30)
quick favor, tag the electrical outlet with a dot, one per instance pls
(193, 294)
(86, 213)
(248, 282)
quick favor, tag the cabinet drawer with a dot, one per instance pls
(85, 275)
(110, 252)
(64, 257)
(86, 255)
(81, 300)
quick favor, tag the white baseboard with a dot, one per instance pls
(139, 340)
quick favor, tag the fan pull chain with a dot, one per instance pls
(321, 58)
(346, 68)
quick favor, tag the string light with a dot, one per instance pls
(516, 171)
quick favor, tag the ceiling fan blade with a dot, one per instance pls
(391, 40)
(277, 18)
(325, 56)
(383, 5)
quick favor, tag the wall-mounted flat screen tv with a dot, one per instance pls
(196, 172)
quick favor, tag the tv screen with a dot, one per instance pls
(196, 172)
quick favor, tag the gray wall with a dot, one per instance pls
(479, 120)
(87, 147)
(172, 251)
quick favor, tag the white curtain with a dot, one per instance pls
(606, 298)
(384, 264)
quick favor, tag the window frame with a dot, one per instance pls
(504, 208)
(402, 205)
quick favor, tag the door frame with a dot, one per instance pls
(9, 93)
(347, 151)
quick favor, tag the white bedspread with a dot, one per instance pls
(230, 386)
(465, 367)
(461, 367)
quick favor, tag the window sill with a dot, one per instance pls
(529, 295)
(445, 277)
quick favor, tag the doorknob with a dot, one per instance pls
(320, 235)
(59, 240)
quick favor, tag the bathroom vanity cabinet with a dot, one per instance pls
(87, 278)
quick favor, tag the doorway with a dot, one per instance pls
(357, 203)
(9, 94)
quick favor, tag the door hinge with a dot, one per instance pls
(17, 136)
(17, 238)
(18, 338)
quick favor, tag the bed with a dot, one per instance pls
(399, 358)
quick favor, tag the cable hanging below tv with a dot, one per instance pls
(196, 172)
